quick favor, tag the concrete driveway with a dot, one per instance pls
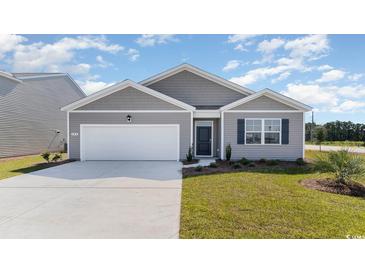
(96, 199)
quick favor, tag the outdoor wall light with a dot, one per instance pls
(129, 118)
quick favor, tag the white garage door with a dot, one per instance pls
(129, 142)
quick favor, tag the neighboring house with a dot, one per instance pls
(31, 121)
(162, 116)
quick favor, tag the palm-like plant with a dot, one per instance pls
(342, 164)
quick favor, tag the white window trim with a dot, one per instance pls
(263, 131)
(212, 138)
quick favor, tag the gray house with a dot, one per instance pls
(31, 121)
(162, 116)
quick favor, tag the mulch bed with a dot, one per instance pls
(194, 161)
(329, 185)
(226, 167)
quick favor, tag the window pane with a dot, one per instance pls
(272, 138)
(253, 138)
(272, 125)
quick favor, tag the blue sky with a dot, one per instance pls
(324, 71)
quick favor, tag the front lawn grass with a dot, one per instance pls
(20, 165)
(267, 203)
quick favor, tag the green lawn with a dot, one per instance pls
(16, 166)
(338, 143)
(266, 204)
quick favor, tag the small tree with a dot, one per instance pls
(189, 155)
(342, 164)
(320, 137)
(228, 152)
(46, 156)
(57, 157)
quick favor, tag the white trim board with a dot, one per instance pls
(9, 77)
(199, 72)
(264, 111)
(211, 141)
(82, 126)
(129, 111)
(120, 87)
(272, 95)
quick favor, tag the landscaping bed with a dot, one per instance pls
(193, 161)
(243, 165)
(329, 185)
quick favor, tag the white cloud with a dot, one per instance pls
(312, 94)
(240, 37)
(267, 47)
(242, 41)
(311, 46)
(231, 65)
(355, 76)
(281, 77)
(90, 86)
(349, 106)
(350, 91)
(332, 75)
(300, 50)
(8, 42)
(80, 69)
(45, 57)
(324, 67)
(102, 62)
(150, 40)
(133, 54)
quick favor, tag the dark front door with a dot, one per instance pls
(203, 140)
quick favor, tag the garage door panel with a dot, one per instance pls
(130, 142)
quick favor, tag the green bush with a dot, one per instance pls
(213, 165)
(272, 162)
(251, 164)
(236, 166)
(344, 165)
(262, 161)
(245, 161)
(56, 157)
(300, 162)
(198, 168)
(46, 156)
(189, 156)
(228, 152)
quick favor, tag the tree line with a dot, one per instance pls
(335, 131)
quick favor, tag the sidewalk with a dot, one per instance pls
(336, 148)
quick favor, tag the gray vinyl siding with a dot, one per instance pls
(196, 90)
(216, 135)
(263, 103)
(130, 99)
(76, 119)
(291, 151)
(30, 111)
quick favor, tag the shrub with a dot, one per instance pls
(228, 152)
(46, 156)
(272, 162)
(245, 161)
(213, 165)
(251, 164)
(236, 166)
(300, 162)
(198, 168)
(342, 164)
(189, 156)
(262, 161)
(57, 157)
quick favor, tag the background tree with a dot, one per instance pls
(320, 136)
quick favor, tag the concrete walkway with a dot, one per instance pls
(336, 148)
(93, 200)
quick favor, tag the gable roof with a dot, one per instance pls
(9, 76)
(123, 85)
(271, 94)
(199, 72)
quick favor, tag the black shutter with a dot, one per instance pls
(284, 131)
(241, 131)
